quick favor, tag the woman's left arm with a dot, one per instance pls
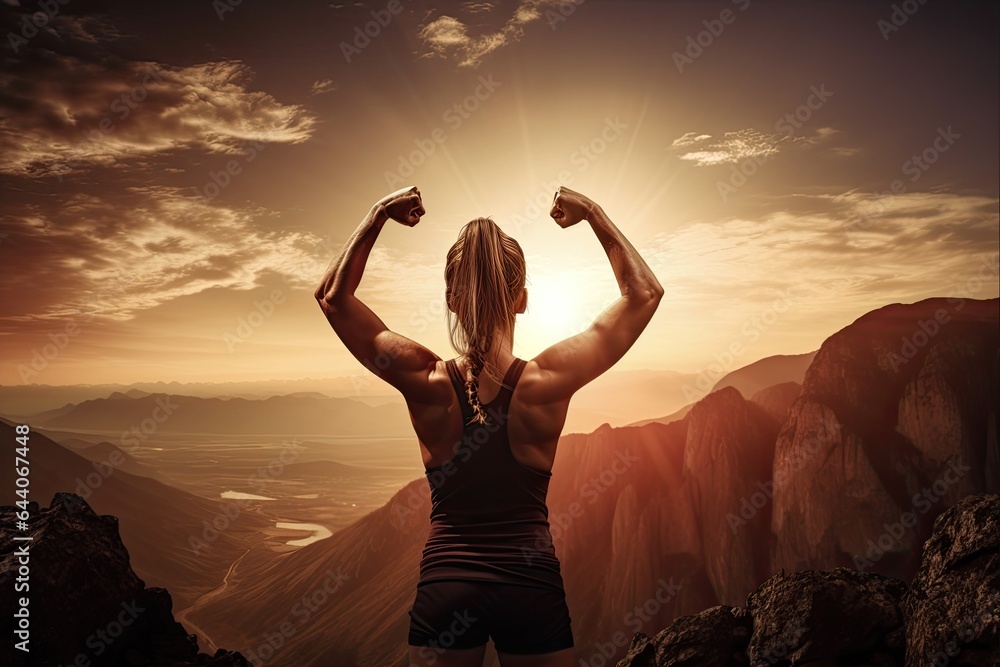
(403, 363)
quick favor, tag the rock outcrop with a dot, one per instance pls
(85, 604)
(949, 615)
(953, 605)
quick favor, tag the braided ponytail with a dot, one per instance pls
(476, 364)
(484, 275)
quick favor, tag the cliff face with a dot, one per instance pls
(950, 614)
(896, 422)
(625, 529)
(85, 604)
(727, 467)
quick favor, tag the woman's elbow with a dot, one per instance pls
(326, 300)
(651, 293)
(656, 290)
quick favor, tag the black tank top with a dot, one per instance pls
(489, 520)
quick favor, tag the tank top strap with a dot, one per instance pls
(511, 377)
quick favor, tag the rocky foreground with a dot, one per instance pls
(86, 606)
(949, 614)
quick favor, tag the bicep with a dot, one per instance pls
(572, 363)
(403, 363)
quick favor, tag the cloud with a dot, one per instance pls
(704, 150)
(324, 86)
(732, 147)
(838, 254)
(477, 7)
(116, 254)
(448, 37)
(61, 113)
(89, 29)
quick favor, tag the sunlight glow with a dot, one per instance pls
(554, 312)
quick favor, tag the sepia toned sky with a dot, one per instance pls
(177, 176)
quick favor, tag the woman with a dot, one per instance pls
(488, 424)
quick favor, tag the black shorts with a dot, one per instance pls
(522, 620)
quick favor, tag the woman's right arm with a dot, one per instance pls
(570, 364)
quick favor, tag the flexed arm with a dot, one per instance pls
(572, 363)
(401, 362)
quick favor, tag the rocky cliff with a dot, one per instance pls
(949, 615)
(85, 604)
(895, 423)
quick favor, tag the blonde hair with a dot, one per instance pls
(484, 276)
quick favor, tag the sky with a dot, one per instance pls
(177, 176)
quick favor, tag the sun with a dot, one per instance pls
(554, 312)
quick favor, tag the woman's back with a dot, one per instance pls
(489, 520)
(534, 420)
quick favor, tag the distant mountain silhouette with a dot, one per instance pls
(86, 604)
(622, 397)
(750, 379)
(97, 452)
(330, 470)
(190, 414)
(767, 372)
(672, 417)
(25, 399)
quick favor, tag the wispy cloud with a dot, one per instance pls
(705, 150)
(449, 37)
(478, 7)
(59, 112)
(732, 147)
(324, 86)
(814, 246)
(145, 246)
